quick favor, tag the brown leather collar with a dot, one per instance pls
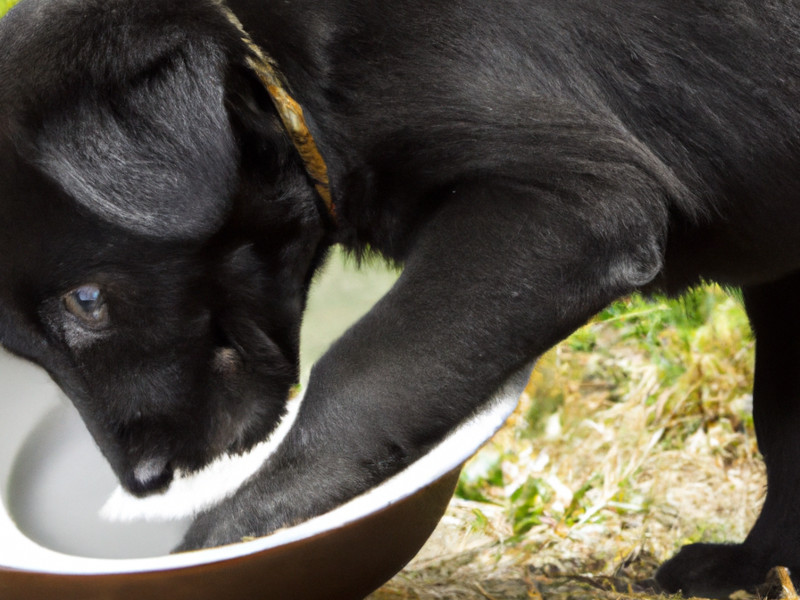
(291, 114)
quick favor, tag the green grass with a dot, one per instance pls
(5, 6)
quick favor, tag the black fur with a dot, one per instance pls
(527, 161)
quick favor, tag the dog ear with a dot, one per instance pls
(157, 155)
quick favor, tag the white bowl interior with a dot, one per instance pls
(58, 483)
(53, 481)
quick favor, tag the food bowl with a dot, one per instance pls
(54, 546)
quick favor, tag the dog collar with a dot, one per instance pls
(290, 112)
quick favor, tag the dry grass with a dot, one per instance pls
(633, 438)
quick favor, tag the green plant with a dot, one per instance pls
(528, 504)
(5, 6)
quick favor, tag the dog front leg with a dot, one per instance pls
(718, 570)
(495, 278)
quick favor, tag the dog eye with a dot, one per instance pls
(88, 305)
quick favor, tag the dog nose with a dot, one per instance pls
(152, 474)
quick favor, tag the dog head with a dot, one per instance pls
(157, 231)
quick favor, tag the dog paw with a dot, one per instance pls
(212, 529)
(711, 571)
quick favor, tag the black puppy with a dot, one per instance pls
(164, 204)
